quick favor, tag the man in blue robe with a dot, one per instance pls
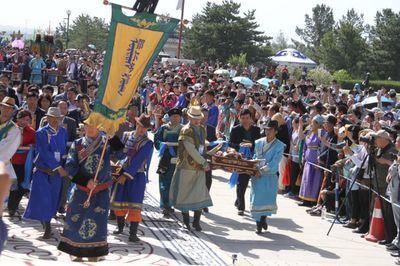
(168, 133)
(51, 143)
(128, 194)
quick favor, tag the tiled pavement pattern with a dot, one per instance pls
(164, 242)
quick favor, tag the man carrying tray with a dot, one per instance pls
(242, 135)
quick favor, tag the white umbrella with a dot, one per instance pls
(372, 101)
(292, 57)
(222, 72)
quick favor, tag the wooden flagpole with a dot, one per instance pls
(86, 204)
(181, 30)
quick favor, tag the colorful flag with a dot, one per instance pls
(133, 45)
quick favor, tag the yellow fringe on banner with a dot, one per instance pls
(104, 124)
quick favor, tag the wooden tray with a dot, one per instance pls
(240, 166)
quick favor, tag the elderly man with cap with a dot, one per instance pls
(264, 186)
(188, 187)
(10, 134)
(51, 145)
(384, 159)
(128, 194)
(165, 136)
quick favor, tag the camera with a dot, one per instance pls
(393, 156)
(305, 118)
(369, 140)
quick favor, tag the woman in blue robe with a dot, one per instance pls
(264, 186)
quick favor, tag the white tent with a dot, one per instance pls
(292, 57)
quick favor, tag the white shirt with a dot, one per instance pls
(8, 147)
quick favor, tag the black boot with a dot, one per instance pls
(112, 215)
(264, 222)
(120, 224)
(133, 232)
(47, 230)
(186, 220)
(196, 221)
(259, 228)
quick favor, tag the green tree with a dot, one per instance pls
(316, 26)
(219, 32)
(85, 30)
(385, 40)
(280, 42)
(345, 47)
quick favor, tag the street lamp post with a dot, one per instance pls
(68, 14)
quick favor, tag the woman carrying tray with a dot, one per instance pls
(264, 185)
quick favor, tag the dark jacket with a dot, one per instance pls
(283, 135)
(329, 156)
(239, 134)
(76, 115)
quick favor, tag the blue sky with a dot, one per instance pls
(273, 16)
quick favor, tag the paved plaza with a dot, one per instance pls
(293, 237)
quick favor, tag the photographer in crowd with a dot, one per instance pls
(384, 159)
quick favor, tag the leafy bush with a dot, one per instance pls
(240, 60)
(341, 74)
(295, 72)
(320, 75)
(376, 84)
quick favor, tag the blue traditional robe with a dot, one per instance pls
(46, 189)
(166, 134)
(85, 229)
(37, 66)
(135, 165)
(265, 188)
